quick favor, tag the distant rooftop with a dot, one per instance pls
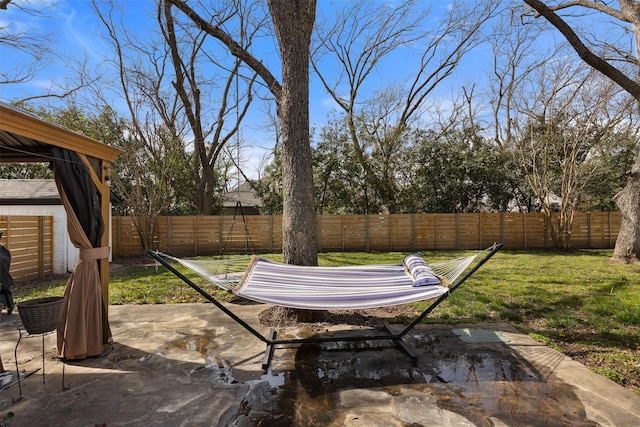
(242, 193)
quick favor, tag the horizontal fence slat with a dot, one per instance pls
(29, 238)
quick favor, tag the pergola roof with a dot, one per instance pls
(25, 137)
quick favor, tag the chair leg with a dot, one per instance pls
(15, 355)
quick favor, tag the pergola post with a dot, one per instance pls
(105, 205)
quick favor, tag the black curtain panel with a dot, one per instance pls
(82, 194)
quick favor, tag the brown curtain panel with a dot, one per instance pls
(84, 330)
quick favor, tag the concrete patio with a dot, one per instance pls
(190, 365)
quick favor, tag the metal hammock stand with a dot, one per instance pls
(271, 340)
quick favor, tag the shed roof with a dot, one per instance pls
(29, 192)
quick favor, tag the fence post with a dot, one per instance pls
(118, 237)
(220, 224)
(547, 227)
(589, 230)
(41, 248)
(270, 233)
(343, 233)
(435, 231)
(609, 227)
(524, 229)
(413, 232)
(457, 230)
(195, 235)
(502, 227)
(366, 232)
(169, 242)
(319, 233)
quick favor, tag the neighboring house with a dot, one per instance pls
(247, 198)
(554, 202)
(40, 197)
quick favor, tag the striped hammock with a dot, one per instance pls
(326, 288)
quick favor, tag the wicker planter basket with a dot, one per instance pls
(41, 315)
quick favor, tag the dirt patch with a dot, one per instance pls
(130, 263)
(372, 317)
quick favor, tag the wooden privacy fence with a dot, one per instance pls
(30, 240)
(206, 235)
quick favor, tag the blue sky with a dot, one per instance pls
(75, 34)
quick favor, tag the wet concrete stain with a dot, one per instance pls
(480, 384)
(374, 383)
(204, 344)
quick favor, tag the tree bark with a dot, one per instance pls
(293, 22)
(627, 248)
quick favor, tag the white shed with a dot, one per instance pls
(40, 197)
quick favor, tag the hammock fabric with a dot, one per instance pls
(333, 288)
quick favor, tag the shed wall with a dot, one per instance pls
(65, 255)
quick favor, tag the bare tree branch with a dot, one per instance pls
(597, 62)
(28, 41)
(590, 4)
(234, 47)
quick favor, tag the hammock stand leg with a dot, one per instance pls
(271, 341)
(268, 352)
(399, 342)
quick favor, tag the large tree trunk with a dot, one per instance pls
(293, 21)
(627, 248)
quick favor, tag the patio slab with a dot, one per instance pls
(190, 365)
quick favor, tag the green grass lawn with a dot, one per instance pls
(577, 302)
